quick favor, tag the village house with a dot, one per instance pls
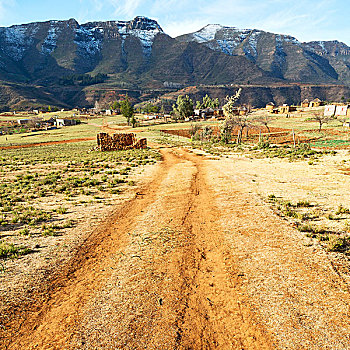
(329, 111)
(315, 103)
(65, 122)
(285, 109)
(270, 106)
(23, 121)
(305, 103)
(341, 111)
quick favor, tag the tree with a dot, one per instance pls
(321, 119)
(207, 102)
(115, 105)
(265, 120)
(127, 109)
(183, 108)
(232, 120)
(216, 103)
(162, 110)
(150, 108)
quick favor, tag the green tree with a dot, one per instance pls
(183, 108)
(162, 110)
(216, 103)
(207, 102)
(115, 105)
(151, 108)
(127, 109)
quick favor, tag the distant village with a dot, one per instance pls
(35, 120)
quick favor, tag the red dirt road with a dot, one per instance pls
(164, 273)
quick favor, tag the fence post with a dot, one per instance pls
(294, 138)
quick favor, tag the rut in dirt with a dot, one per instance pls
(160, 276)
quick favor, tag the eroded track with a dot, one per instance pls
(157, 275)
(173, 270)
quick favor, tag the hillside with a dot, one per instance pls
(282, 55)
(55, 62)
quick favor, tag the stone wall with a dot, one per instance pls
(118, 142)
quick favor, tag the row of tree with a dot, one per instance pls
(83, 79)
(184, 106)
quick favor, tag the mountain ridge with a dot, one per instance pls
(138, 54)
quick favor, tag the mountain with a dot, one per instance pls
(67, 64)
(283, 56)
(136, 49)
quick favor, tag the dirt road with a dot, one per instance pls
(183, 266)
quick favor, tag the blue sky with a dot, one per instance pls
(306, 20)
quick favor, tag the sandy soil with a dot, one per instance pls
(197, 260)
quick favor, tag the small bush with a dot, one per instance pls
(303, 204)
(312, 229)
(342, 210)
(61, 210)
(25, 232)
(264, 144)
(9, 250)
(337, 243)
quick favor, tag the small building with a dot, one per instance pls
(341, 111)
(305, 103)
(285, 109)
(329, 111)
(108, 112)
(347, 124)
(270, 106)
(65, 122)
(243, 110)
(315, 103)
(23, 121)
(208, 112)
(219, 112)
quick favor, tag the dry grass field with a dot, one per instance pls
(190, 244)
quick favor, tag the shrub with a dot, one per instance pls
(9, 250)
(61, 210)
(25, 232)
(342, 210)
(264, 144)
(303, 204)
(337, 243)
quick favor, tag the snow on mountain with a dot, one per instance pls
(87, 40)
(207, 33)
(142, 28)
(18, 40)
(90, 36)
(228, 39)
(50, 42)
